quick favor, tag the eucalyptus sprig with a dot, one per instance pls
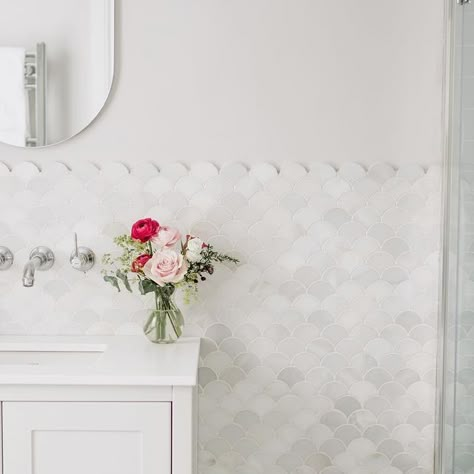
(120, 267)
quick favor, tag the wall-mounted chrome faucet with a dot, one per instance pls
(41, 258)
(82, 258)
(6, 259)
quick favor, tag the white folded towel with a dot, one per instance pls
(12, 96)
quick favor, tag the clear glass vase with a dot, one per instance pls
(165, 323)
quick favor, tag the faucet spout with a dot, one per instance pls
(30, 270)
(41, 258)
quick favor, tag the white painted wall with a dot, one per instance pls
(270, 80)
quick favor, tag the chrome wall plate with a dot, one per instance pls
(82, 258)
(46, 257)
(6, 259)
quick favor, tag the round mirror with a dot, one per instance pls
(56, 68)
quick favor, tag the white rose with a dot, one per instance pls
(194, 249)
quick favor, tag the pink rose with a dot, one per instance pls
(166, 237)
(166, 266)
(145, 229)
(139, 262)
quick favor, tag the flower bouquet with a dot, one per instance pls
(157, 260)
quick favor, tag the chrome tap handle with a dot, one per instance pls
(82, 258)
(6, 259)
(76, 248)
(76, 260)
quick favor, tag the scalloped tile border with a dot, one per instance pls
(264, 171)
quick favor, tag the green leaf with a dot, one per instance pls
(146, 286)
(124, 279)
(113, 281)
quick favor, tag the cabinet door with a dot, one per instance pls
(92, 438)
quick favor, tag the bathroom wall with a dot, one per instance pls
(319, 350)
(270, 80)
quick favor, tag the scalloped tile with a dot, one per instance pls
(319, 350)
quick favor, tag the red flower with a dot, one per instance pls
(145, 229)
(140, 262)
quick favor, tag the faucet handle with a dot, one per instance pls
(82, 258)
(6, 259)
(76, 248)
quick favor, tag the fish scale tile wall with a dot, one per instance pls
(319, 350)
(462, 328)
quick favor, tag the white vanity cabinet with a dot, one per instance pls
(116, 405)
(93, 438)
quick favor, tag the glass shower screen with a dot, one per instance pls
(456, 377)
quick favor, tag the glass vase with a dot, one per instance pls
(165, 323)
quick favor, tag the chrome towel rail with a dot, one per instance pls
(35, 85)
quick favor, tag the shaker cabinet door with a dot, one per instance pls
(92, 438)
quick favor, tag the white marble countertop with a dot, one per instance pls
(97, 360)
